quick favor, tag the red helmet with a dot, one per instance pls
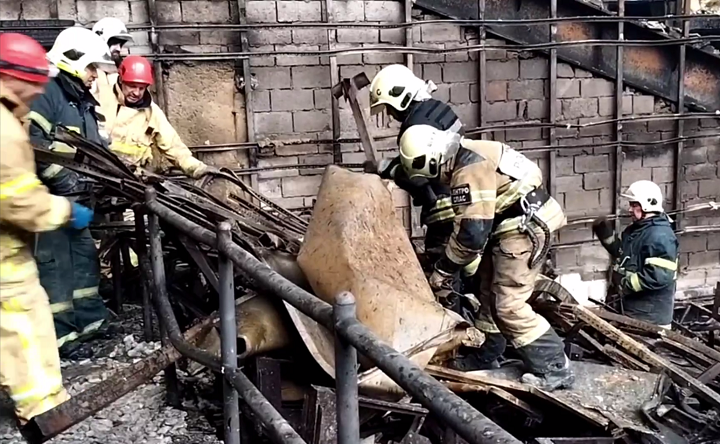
(136, 69)
(23, 57)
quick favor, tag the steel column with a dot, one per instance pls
(553, 100)
(248, 90)
(553, 110)
(618, 115)
(158, 270)
(277, 428)
(160, 95)
(328, 12)
(145, 276)
(228, 338)
(416, 229)
(482, 70)
(679, 173)
(346, 377)
(116, 269)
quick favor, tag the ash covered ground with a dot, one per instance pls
(140, 417)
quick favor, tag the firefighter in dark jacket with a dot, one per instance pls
(645, 258)
(504, 217)
(407, 100)
(67, 258)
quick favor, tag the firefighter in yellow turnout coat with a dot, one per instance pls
(29, 360)
(140, 133)
(503, 215)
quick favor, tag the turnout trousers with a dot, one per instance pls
(70, 273)
(504, 283)
(29, 359)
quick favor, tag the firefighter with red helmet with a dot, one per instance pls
(29, 360)
(140, 133)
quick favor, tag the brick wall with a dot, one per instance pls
(292, 101)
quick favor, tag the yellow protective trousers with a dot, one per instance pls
(29, 359)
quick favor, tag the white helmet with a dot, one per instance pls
(647, 194)
(424, 149)
(397, 86)
(110, 27)
(77, 48)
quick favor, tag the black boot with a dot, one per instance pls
(76, 351)
(484, 358)
(549, 367)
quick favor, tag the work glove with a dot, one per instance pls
(419, 188)
(384, 168)
(80, 216)
(208, 169)
(603, 228)
(617, 276)
(441, 283)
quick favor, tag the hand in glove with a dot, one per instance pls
(441, 284)
(618, 274)
(603, 228)
(80, 216)
(208, 169)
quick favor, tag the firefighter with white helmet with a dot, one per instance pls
(67, 258)
(504, 216)
(407, 99)
(645, 257)
(116, 35)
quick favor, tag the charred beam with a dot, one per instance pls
(679, 376)
(651, 69)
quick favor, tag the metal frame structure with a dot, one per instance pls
(351, 336)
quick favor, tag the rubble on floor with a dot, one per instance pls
(140, 417)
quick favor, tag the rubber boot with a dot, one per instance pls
(76, 351)
(549, 367)
(562, 377)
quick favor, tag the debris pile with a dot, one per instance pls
(635, 382)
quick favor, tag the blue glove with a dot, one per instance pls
(80, 216)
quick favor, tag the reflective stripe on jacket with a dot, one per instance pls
(143, 136)
(487, 178)
(25, 204)
(65, 102)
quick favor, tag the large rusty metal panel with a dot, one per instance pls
(652, 69)
(356, 243)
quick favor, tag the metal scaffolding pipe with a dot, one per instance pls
(277, 428)
(275, 425)
(228, 339)
(346, 377)
(467, 422)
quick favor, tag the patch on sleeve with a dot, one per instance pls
(460, 195)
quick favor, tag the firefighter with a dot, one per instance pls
(504, 216)
(68, 258)
(645, 258)
(116, 35)
(140, 132)
(29, 361)
(407, 99)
